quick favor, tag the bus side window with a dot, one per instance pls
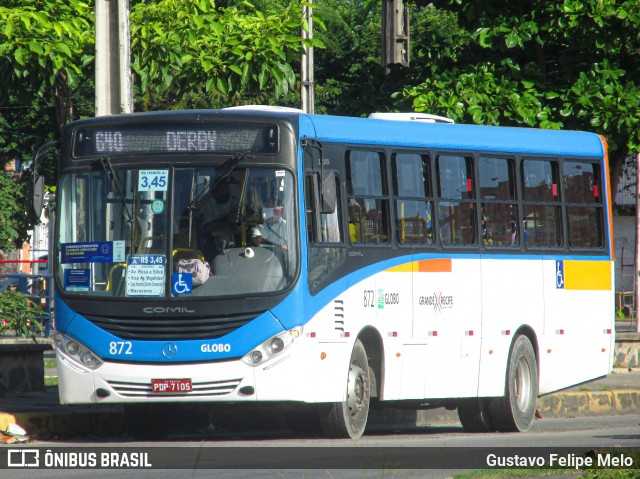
(583, 195)
(322, 227)
(499, 211)
(456, 209)
(368, 202)
(325, 237)
(542, 213)
(413, 198)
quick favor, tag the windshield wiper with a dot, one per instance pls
(105, 162)
(223, 171)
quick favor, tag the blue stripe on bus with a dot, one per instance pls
(287, 311)
(529, 141)
(240, 341)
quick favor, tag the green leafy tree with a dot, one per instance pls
(189, 53)
(44, 47)
(13, 220)
(571, 64)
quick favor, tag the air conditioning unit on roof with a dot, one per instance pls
(424, 117)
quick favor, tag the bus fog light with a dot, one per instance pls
(276, 345)
(272, 347)
(90, 360)
(74, 351)
(72, 348)
(256, 357)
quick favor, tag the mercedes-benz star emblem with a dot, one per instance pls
(169, 350)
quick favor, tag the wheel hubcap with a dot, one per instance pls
(356, 389)
(523, 384)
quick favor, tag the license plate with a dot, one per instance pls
(171, 385)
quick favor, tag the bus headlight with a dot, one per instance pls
(76, 351)
(272, 347)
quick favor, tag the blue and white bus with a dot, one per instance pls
(322, 264)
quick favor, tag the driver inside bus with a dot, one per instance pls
(218, 218)
(273, 230)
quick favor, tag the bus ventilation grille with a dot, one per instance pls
(209, 388)
(171, 327)
(338, 313)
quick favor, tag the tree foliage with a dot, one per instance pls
(44, 47)
(569, 64)
(193, 53)
(13, 220)
(223, 56)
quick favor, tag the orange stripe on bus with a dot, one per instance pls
(609, 198)
(435, 266)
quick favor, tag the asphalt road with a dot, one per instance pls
(436, 452)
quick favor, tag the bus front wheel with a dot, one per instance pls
(516, 410)
(347, 419)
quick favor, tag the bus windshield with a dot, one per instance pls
(175, 232)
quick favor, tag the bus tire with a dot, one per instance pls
(515, 411)
(474, 415)
(348, 419)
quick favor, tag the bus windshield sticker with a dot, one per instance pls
(145, 274)
(153, 180)
(92, 252)
(158, 206)
(182, 283)
(280, 173)
(76, 279)
(118, 251)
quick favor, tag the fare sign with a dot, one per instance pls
(160, 386)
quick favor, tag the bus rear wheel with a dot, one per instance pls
(474, 415)
(348, 419)
(516, 410)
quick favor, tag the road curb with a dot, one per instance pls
(65, 424)
(600, 403)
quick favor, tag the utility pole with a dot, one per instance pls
(395, 33)
(307, 99)
(114, 93)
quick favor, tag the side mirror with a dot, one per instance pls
(328, 205)
(37, 196)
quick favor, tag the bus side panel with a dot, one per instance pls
(511, 297)
(329, 339)
(579, 324)
(447, 298)
(405, 361)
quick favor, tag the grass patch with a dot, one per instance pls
(618, 471)
(50, 363)
(51, 381)
(514, 473)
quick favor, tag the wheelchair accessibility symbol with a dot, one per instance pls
(559, 274)
(182, 283)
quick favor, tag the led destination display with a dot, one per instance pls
(181, 138)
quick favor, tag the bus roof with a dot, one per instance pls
(408, 134)
(531, 141)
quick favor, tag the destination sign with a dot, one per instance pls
(182, 138)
